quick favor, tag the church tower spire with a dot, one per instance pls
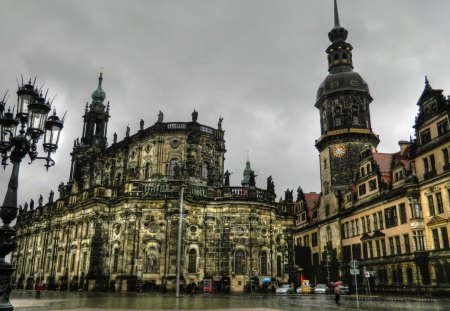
(343, 100)
(96, 119)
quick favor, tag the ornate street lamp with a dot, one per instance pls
(32, 111)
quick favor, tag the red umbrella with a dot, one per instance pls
(337, 283)
(301, 279)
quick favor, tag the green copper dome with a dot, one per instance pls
(99, 94)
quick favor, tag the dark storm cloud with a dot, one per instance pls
(256, 63)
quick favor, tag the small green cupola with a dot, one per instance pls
(99, 94)
(247, 171)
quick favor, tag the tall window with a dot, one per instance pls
(375, 221)
(279, 270)
(402, 210)
(397, 245)
(436, 239)
(446, 156)
(392, 246)
(115, 266)
(204, 170)
(263, 262)
(439, 204)
(239, 262)
(192, 261)
(444, 234)
(84, 261)
(171, 168)
(406, 241)
(390, 215)
(430, 205)
(419, 241)
(72, 262)
(147, 170)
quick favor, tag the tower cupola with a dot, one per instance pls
(99, 94)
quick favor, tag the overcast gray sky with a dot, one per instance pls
(256, 63)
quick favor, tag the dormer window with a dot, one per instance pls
(442, 127)
(425, 136)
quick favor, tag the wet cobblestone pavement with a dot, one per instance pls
(88, 301)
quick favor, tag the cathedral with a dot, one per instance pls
(138, 212)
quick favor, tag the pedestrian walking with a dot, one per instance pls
(38, 288)
(337, 294)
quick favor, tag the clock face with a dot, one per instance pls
(338, 151)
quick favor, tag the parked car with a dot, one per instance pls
(320, 289)
(344, 289)
(304, 289)
(285, 289)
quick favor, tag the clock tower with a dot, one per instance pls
(343, 101)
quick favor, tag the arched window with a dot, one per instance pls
(327, 210)
(362, 172)
(192, 261)
(263, 262)
(239, 262)
(355, 116)
(170, 169)
(279, 270)
(147, 170)
(204, 170)
(115, 266)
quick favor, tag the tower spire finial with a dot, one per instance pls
(336, 15)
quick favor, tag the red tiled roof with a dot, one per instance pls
(312, 199)
(384, 161)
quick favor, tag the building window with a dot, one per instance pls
(446, 156)
(147, 170)
(192, 261)
(402, 210)
(444, 235)
(419, 242)
(263, 262)
(378, 248)
(430, 205)
(372, 184)
(442, 127)
(239, 262)
(72, 262)
(337, 121)
(171, 168)
(392, 246)
(306, 241)
(436, 239)
(279, 270)
(327, 210)
(314, 240)
(390, 215)
(362, 189)
(363, 222)
(406, 241)
(115, 267)
(439, 204)
(383, 247)
(205, 170)
(368, 223)
(375, 222)
(416, 209)
(425, 136)
(363, 171)
(398, 245)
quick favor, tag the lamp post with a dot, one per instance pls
(31, 114)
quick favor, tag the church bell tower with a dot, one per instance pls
(343, 101)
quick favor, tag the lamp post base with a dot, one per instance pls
(6, 270)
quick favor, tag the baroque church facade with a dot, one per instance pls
(129, 206)
(116, 224)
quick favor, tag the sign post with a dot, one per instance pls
(354, 264)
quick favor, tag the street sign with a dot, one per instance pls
(354, 271)
(354, 264)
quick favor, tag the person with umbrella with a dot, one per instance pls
(337, 291)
